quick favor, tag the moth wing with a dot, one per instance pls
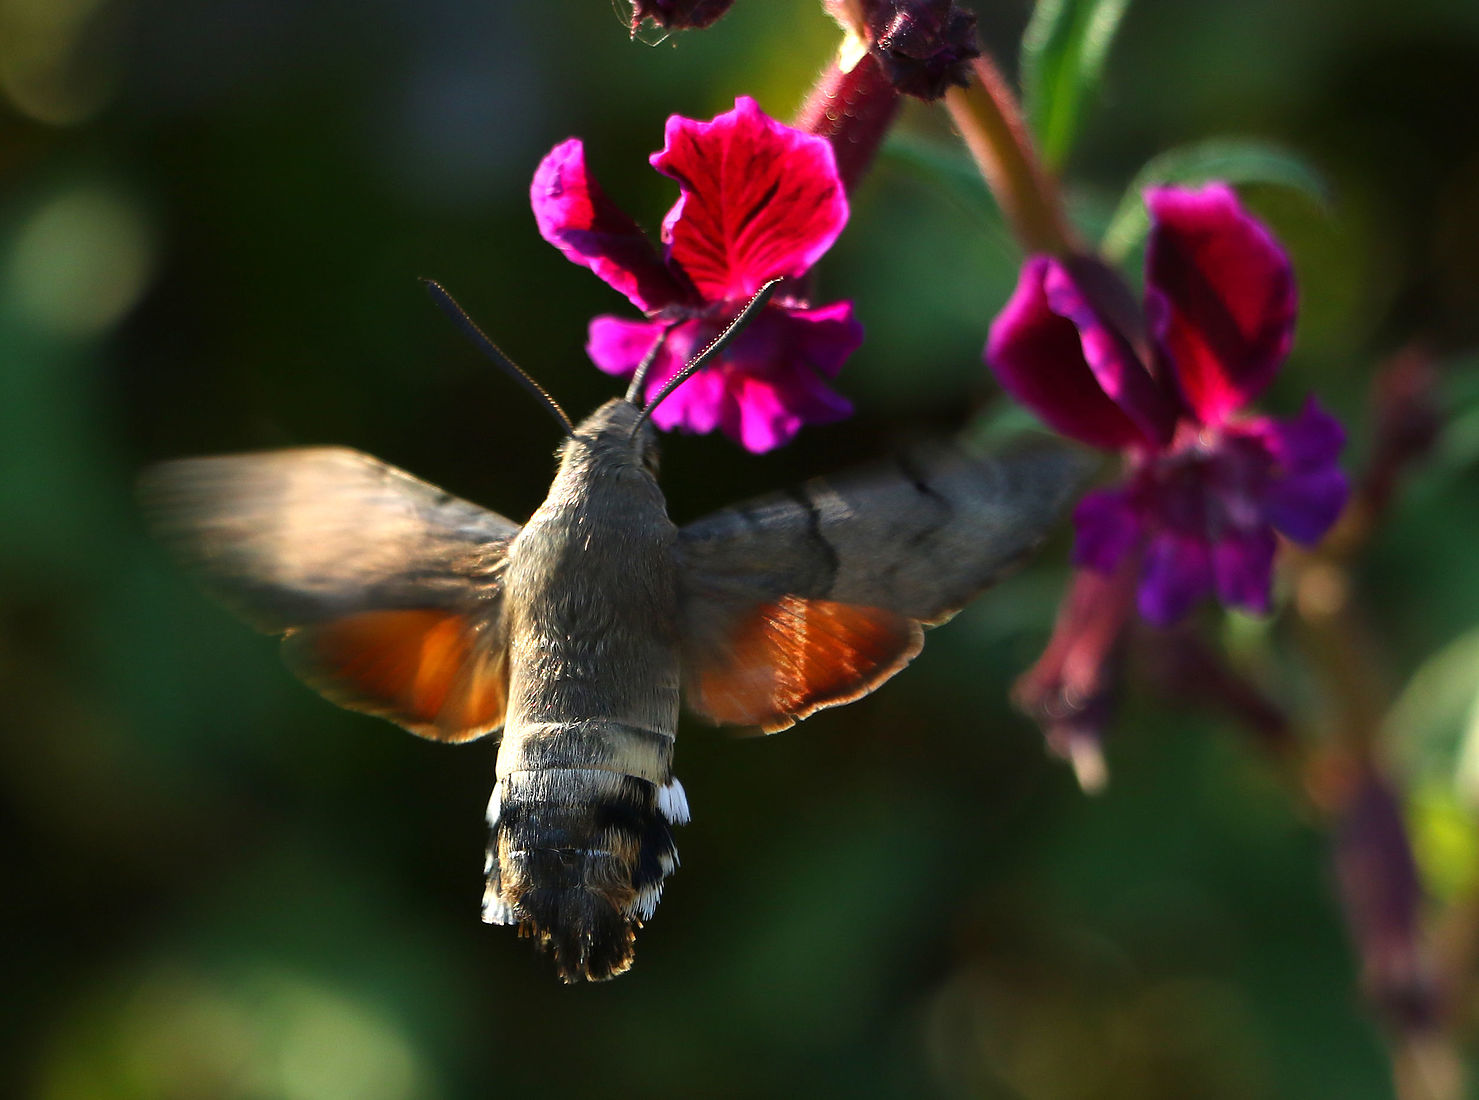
(389, 591)
(811, 598)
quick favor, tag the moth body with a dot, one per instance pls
(575, 634)
(580, 841)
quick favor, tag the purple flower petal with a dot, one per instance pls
(1106, 527)
(1307, 490)
(768, 384)
(814, 339)
(1310, 441)
(1242, 565)
(1038, 357)
(759, 200)
(1219, 298)
(575, 216)
(1306, 506)
(1176, 575)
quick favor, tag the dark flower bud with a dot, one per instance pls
(1381, 896)
(678, 14)
(925, 46)
(1070, 691)
(1408, 422)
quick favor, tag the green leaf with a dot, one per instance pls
(1233, 160)
(951, 171)
(1063, 54)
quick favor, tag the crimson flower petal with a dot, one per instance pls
(1176, 575)
(1219, 298)
(575, 216)
(1039, 357)
(1120, 374)
(759, 200)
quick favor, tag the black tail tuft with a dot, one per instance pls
(577, 860)
(589, 938)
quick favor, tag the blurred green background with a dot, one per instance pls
(217, 885)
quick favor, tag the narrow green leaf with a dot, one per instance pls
(1233, 160)
(952, 172)
(1063, 54)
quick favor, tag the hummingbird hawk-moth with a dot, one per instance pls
(577, 633)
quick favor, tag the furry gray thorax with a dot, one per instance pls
(579, 844)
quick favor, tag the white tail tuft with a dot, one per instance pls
(672, 803)
(495, 804)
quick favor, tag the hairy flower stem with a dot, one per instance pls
(990, 120)
(852, 107)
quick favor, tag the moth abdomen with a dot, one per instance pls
(577, 859)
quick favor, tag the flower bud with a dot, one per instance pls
(678, 14)
(924, 45)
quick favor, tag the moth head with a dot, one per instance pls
(618, 433)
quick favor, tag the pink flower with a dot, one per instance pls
(1206, 489)
(757, 200)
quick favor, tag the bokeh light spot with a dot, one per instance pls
(81, 260)
(49, 64)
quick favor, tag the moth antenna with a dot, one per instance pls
(711, 349)
(647, 360)
(469, 328)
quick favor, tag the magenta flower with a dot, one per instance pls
(1206, 489)
(757, 200)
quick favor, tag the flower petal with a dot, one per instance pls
(1106, 527)
(575, 216)
(1039, 357)
(617, 345)
(1307, 491)
(1116, 368)
(1243, 564)
(1306, 506)
(759, 200)
(1311, 441)
(1177, 573)
(768, 383)
(814, 339)
(777, 372)
(1219, 297)
(702, 403)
